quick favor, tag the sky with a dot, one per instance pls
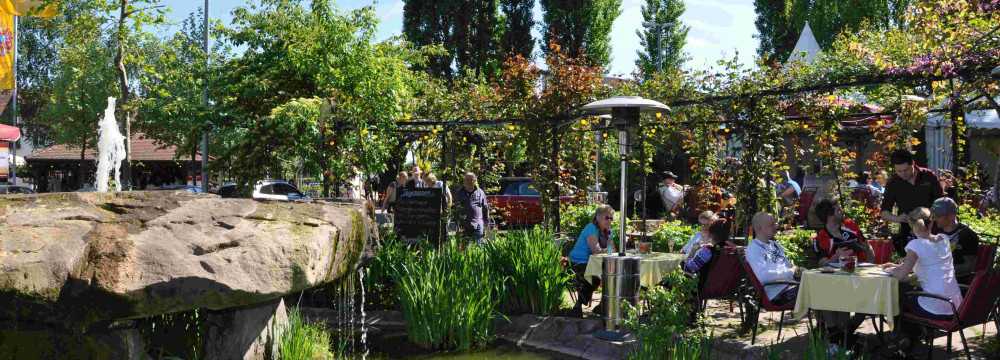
(719, 28)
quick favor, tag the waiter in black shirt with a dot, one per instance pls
(911, 187)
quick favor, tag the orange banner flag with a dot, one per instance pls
(28, 8)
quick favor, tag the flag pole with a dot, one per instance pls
(13, 111)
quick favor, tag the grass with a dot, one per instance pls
(529, 262)
(303, 341)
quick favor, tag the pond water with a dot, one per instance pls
(395, 346)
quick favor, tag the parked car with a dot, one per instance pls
(15, 189)
(227, 191)
(518, 203)
(277, 190)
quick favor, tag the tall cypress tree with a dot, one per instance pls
(581, 27)
(663, 36)
(468, 29)
(518, 20)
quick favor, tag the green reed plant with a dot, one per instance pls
(449, 297)
(382, 272)
(529, 261)
(303, 341)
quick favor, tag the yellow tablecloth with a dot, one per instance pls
(865, 292)
(652, 268)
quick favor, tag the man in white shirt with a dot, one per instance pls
(768, 261)
(671, 193)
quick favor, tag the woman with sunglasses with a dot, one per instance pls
(595, 238)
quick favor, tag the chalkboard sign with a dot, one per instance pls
(418, 214)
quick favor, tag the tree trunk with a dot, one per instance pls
(125, 93)
(554, 201)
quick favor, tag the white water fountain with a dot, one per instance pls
(110, 150)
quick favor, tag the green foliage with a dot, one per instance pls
(303, 341)
(449, 297)
(662, 38)
(798, 244)
(581, 29)
(529, 261)
(574, 217)
(987, 226)
(672, 235)
(665, 330)
(383, 271)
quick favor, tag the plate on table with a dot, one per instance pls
(864, 265)
(827, 270)
(835, 264)
(880, 272)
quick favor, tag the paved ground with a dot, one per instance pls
(723, 323)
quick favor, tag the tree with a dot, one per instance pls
(518, 20)
(321, 70)
(469, 30)
(172, 111)
(779, 22)
(663, 37)
(581, 28)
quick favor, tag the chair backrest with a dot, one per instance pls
(985, 256)
(981, 298)
(723, 278)
(752, 278)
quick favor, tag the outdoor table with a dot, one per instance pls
(866, 291)
(652, 268)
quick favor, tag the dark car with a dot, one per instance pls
(15, 189)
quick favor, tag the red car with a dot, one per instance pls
(518, 203)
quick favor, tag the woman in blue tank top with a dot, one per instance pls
(592, 240)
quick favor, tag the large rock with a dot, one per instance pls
(79, 258)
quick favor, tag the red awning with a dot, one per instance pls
(9, 133)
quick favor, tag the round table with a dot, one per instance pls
(652, 268)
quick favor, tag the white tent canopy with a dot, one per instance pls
(806, 48)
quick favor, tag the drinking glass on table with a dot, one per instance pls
(849, 263)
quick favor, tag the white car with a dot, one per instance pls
(277, 190)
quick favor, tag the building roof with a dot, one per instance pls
(142, 150)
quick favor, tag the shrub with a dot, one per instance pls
(303, 341)
(988, 226)
(665, 330)
(449, 297)
(573, 218)
(798, 244)
(672, 235)
(529, 262)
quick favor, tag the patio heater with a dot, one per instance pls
(621, 273)
(995, 73)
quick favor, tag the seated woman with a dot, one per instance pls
(705, 219)
(718, 235)
(929, 257)
(594, 239)
(840, 237)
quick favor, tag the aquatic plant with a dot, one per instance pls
(529, 262)
(449, 297)
(302, 340)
